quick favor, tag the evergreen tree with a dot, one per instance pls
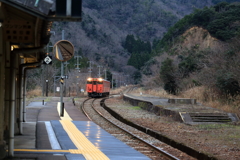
(140, 51)
(166, 74)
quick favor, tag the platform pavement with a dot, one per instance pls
(38, 111)
(35, 135)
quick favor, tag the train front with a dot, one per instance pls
(95, 87)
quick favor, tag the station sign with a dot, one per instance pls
(58, 89)
(47, 60)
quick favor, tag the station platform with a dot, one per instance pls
(185, 110)
(47, 136)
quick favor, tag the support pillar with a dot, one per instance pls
(2, 97)
(24, 94)
(12, 105)
(7, 89)
(23, 83)
(17, 97)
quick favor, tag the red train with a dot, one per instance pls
(97, 87)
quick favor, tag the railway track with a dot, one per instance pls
(129, 135)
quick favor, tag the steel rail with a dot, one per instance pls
(168, 155)
(83, 110)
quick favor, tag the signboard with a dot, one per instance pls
(62, 80)
(58, 89)
(69, 8)
(47, 60)
(63, 50)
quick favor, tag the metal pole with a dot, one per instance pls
(78, 63)
(54, 87)
(77, 88)
(120, 81)
(112, 81)
(105, 71)
(46, 88)
(116, 81)
(61, 86)
(61, 92)
(99, 71)
(47, 81)
(43, 78)
(65, 80)
(90, 68)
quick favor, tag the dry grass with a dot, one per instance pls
(38, 92)
(119, 90)
(209, 98)
(34, 93)
(156, 92)
(203, 95)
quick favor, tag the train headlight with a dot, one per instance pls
(100, 79)
(89, 79)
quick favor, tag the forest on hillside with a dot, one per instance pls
(183, 62)
(107, 26)
(220, 20)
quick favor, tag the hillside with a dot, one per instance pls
(197, 55)
(106, 24)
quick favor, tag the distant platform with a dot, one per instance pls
(36, 104)
(185, 110)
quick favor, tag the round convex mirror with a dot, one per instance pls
(63, 50)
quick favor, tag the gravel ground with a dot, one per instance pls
(134, 143)
(219, 140)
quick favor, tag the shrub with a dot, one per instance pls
(166, 74)
(228, 85)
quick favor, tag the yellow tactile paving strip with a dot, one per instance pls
(85, 147)
(89, 151)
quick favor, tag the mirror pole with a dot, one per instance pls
(61, 89)
(61, 93)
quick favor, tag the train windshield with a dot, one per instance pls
(94, 82)
(100, 82)
(89, 82)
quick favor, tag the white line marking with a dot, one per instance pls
(52, 137)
